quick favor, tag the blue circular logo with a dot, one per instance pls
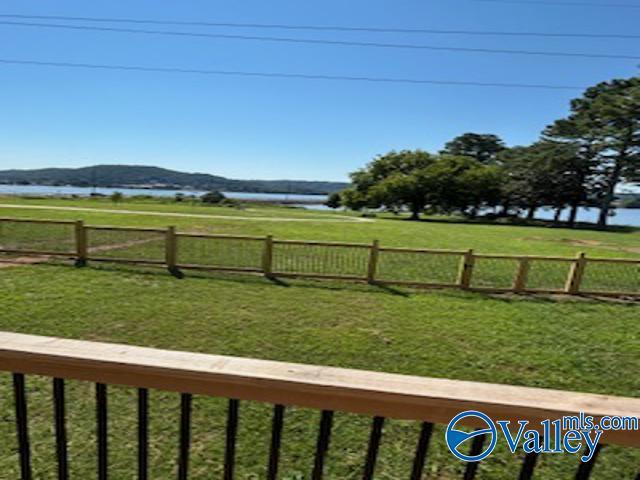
(456, 439)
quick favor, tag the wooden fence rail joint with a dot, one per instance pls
(576, 273)
(520, 282)
(466, 269)
(171, 252)
(372, 267)
(81, 244)
(267, 257)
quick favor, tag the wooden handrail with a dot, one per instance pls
(381, 394)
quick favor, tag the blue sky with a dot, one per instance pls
(284, 128)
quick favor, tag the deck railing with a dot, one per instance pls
(373, 263)
(381, 396)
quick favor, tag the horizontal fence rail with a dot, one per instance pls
(381, 396)
(372, 263)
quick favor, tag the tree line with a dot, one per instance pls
(577, 161)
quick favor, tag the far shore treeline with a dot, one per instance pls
(578, 161)
(148, 177)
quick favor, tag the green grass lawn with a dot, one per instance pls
(389, 230)
(569, 344)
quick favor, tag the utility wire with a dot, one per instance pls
(564, 4)
(330, 28)
(303, 76)
(322, 42)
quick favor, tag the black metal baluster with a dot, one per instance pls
(276, 436)
(585, 468)
(61, 429)
(374, 445)
(528, 465)
(143, 433)
(476, 449)
(185, 436)
(101, 420)
(232, 433)
(22, 429)
(322, 446)
(421, 450)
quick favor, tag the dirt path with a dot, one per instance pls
(342, 219)
(131, 243)
(18, 261)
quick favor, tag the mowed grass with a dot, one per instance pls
(572, 345)
(578, 345)
(289, 223)
(327, 226)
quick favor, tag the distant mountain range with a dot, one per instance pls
(132, 176)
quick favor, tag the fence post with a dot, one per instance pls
(520, 282)
(576, 272)
(267, 257)
(171, 251)
(466, 269)
(372, 267)
(81, 244)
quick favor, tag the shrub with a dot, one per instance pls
(334, 201)
(116, 197)
(230, 202)
(212, 198)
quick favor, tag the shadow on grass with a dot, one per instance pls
(376, 286)
(519, 222)
(360, 287)
(278, 281)
(390, 289)
(555, 298)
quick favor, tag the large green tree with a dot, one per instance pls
(416, 179)
(524, 179)
(460, 184)
(482, 147)
(545, 173)
(390, 180)
(605, 122)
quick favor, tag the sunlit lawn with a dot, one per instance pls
(578, 345)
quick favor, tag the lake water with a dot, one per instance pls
(45, 190)
(623, 216)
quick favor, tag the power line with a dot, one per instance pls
(323, 42)
(301, 76)
(563, 4)
(331, 28)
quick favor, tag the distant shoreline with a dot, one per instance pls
(69, 191)
(141, 177)
(171, 188)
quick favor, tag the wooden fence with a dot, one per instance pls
(382, 396)
(372, 263)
